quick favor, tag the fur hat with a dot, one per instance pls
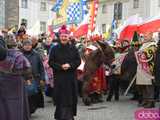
(63, 30)
(27, 42)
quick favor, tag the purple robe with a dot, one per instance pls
(13, 100)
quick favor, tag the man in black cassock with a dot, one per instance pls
(64, 59)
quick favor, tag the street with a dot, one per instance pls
(122, 110)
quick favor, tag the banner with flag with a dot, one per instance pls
(145, 58)
(72, 12)
(82, 28)
(113, 35)
(84, 8)
(57, 5)
(81, 31)
(76, 11)
(62, 16)
(62, 11)
(93, 14)
(114, 24)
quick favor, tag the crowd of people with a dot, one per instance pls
(33, 65)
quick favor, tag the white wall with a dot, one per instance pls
(107, 18)
(143, 9)
(104, 18)
(155, 8)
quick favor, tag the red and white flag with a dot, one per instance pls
(150, 25)
(135, 23)
(82, 29)
(126, 31)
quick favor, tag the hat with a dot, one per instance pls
(21, 29)
(11, 40)
(3, 52)
(63, 30)
(27, 42)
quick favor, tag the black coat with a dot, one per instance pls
(157, 67)
(36, 63)
(3, 52)
(65, 82)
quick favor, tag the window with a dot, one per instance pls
(43, 6)
(24, 3)
(24, 21)
(103, 28)
(104, 8)
(43, 26)
(135, 4)
(118, 11)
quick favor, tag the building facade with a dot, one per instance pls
(33, 11)
(9, 13)
(120, 10)
(30, 12)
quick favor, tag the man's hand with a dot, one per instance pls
(28, 82)
(66, 66)
(42, 83)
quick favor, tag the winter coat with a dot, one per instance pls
(36, 63)
(14, 70)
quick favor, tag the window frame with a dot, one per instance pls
(135, 4)
(118, 10)
(103, 28)
(43, 6)
(104, 8)
(42, 25)
(24, 4)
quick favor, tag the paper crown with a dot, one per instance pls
(63, 30)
